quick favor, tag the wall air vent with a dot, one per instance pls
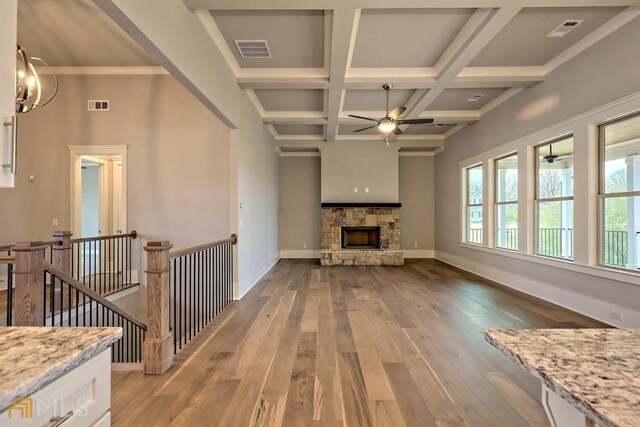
(564, 28)
(253, 48)
(475, 97)
(98, 105)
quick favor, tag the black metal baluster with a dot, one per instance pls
(175, 303)
(10, 294)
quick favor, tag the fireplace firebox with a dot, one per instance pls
(360, 237)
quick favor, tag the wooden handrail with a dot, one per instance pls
(49, 243)
(7, 260)
(133, 235)
(184, 252)
(92, 294)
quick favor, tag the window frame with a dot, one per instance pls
(497, 203)
(537, 200)
(603, 195)
(468, 205)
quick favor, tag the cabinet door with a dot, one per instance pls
(8, 40)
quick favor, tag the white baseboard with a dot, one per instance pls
(419, 253)
(256, 276)
(300, 253)
(580, 303)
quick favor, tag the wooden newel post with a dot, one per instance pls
(158, 346)
(62, 251)
(29, 284)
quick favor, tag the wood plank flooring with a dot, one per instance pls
(351, 346)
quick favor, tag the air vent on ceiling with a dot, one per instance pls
(439, 125)
(98, 105)
(475, 97)
(564, 28)
(253, 48)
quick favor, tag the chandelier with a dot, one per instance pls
(29, 91)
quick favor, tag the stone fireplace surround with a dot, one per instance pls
(383, 215)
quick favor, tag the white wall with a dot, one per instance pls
(602, 74)
(176, 39)
(359, 164)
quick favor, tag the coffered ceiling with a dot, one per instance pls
(329, 58)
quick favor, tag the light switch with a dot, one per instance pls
(32, 178)
(355, 189)
(55, 222)
(366, 190)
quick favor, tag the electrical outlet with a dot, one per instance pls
(366, 190)
(415, 244)
(55, 222)
(304, 245)
(615, 315)
(355, 189)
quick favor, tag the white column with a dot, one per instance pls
(566, 215)
(633, 209)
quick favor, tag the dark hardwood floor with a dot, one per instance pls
(353, 346)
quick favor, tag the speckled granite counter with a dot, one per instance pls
(595, 370)
(32, 357)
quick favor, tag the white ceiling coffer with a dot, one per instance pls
(253, 48)
(564, 28)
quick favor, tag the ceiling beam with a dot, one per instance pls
(343, 37)
(294, 118)
(386, 4)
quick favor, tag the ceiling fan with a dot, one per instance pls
(390, 122)
(552, 158)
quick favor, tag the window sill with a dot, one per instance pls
(630, 278)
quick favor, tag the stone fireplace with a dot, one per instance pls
(361, 234)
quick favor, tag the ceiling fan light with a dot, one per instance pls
(387, 126)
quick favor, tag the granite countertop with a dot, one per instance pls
(595, 370)
(32, 357)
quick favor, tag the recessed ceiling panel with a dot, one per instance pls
(427, 129)
(295, 37)
(299, 129)
(524, 41)
(458, 99)
(76, 33)
(375, 100)
(291, 99)
(407, 37)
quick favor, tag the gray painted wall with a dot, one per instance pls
(417, 216)
(605, 72)
(299, 211)
(361, 164)
(178, 160)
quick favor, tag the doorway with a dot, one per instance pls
(98, 190)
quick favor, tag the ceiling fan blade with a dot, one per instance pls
(363, 118)
(397, 131)
(368, 127)
(414, 121)
(397, 112)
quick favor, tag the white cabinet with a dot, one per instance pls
(8, 40)
(81, 397)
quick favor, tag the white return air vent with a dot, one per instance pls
(98, 105)
(253, 48)
(475, 97)
(564, 28)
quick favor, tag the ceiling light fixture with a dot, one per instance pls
(387, 125)
(28, 85)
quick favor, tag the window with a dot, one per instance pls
(620, 193)
(506, 202)
(474, 205)
(554, 198)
